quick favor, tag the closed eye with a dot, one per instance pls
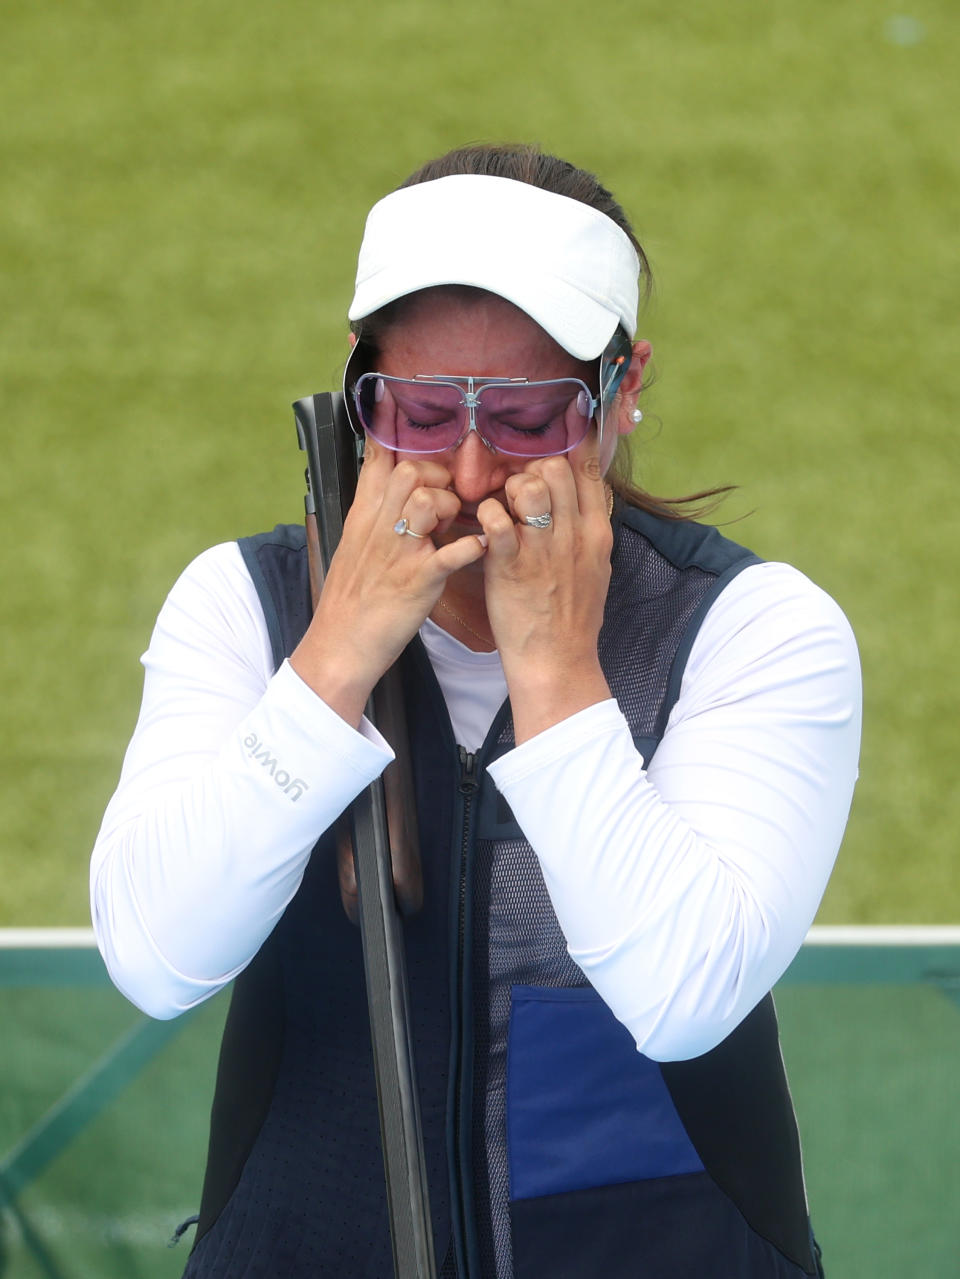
(521, 429)
(423, 424)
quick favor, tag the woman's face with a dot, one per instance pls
(484, 336)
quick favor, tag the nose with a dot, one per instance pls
(477, 471)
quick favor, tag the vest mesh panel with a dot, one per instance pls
(518, 940)
(525, 946)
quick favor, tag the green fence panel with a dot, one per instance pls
(103, 1113)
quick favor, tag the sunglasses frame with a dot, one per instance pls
(470, 400)
(615, 360)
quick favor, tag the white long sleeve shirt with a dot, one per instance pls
(684, 888)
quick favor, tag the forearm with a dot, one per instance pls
(190, 875)
(231, 776)
(685, 890)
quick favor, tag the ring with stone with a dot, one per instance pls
(539, 521)
(403, 526)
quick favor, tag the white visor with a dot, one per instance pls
(568, 266)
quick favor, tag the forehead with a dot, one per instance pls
(470, 332)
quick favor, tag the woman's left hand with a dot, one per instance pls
(546, 587)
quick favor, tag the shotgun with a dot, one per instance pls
(378, 857)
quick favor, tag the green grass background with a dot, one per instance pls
(183, 195)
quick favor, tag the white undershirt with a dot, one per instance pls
(473, 684)
(684, 890)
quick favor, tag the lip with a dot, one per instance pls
(459, 526)
(466, 518)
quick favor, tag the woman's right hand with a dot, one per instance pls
(381, 585)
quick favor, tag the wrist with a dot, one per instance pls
(545, 694)
(343, 688)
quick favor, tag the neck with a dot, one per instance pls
(473, 631)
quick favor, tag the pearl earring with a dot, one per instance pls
(636, 416)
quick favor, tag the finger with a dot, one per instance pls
(528, 495)
(378, 464)
(588, 477)
(556, 473)
(426, 508)
(498, 528)
(409, 474)
(457, 555)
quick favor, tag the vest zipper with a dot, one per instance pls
(468, 786)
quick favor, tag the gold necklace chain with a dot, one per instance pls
(484, 639)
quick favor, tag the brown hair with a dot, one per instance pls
(525, 163)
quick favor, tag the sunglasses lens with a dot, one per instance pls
(537, 420)
(410, 417)
(522, 419)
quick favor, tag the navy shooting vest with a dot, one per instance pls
(553, 1147)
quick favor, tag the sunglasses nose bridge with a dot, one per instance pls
(471, 403)
(470, 399)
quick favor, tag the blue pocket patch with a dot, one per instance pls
(584, 1108)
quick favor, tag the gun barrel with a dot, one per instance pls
(386, 860)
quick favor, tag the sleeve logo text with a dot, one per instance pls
(262, 754)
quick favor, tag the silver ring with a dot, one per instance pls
(403, 526)
(539, 521)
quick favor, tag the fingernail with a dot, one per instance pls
(482, 539)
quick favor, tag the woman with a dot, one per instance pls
(634, 750)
